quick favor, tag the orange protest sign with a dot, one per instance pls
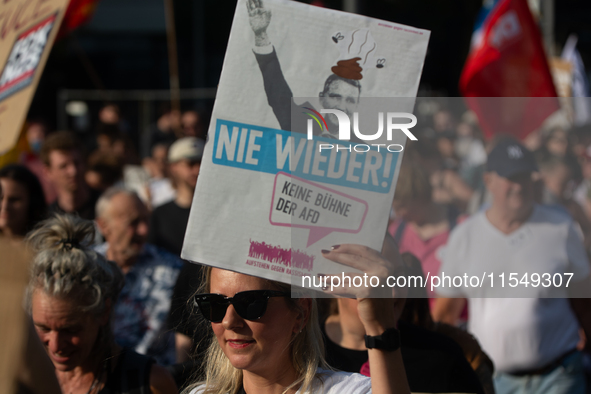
(27, 31)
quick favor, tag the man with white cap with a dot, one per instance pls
(169, 221)
(167, 230)
(532, 339)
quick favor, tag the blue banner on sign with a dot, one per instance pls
(321, 160)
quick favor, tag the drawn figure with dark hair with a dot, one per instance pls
(341, 91)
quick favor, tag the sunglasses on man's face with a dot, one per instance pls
(250, 305)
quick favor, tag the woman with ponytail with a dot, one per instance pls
(70, 297)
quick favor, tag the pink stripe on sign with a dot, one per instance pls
(278, 255)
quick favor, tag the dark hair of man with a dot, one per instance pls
(64, 141)
(333, 78)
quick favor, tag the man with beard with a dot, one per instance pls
(141, 311)
(64, 166)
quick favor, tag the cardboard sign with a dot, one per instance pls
(14, 278)
(27, 31)
(276, 185)
(562, 73)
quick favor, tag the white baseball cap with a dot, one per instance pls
(190, 148)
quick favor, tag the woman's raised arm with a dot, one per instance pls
(379, 307)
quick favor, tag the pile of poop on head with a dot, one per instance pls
(349, 69)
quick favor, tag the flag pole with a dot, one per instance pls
(173, 66)
(548, 26)
(350, 6)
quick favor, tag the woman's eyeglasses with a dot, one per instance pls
(250, 305)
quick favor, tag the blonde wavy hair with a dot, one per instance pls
(307, 352)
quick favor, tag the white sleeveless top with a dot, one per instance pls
(331, 382)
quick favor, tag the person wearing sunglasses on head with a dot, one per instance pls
(267, 342)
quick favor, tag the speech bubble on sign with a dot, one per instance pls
(299, 203)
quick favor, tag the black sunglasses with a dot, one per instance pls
(250, 305)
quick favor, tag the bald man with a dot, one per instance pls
(141, 312)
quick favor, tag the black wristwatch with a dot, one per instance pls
(389, 340)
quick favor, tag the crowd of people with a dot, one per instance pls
(119, 311)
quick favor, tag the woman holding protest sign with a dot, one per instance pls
(70, 295)
(267, 342)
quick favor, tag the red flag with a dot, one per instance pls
(509, 61)
(78, 13)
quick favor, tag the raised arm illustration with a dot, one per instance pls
(278, 91)
(338, 93)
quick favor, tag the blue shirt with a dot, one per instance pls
(141, 311)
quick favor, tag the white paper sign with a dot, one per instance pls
(269, 199)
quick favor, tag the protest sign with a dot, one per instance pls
(14, 278)
(276, 184)
(562, 74)
(27, 31)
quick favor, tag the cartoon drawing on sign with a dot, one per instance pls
(342, 88)
(267, 174)
(337, 37)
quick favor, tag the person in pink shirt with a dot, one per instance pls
(421, 226)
